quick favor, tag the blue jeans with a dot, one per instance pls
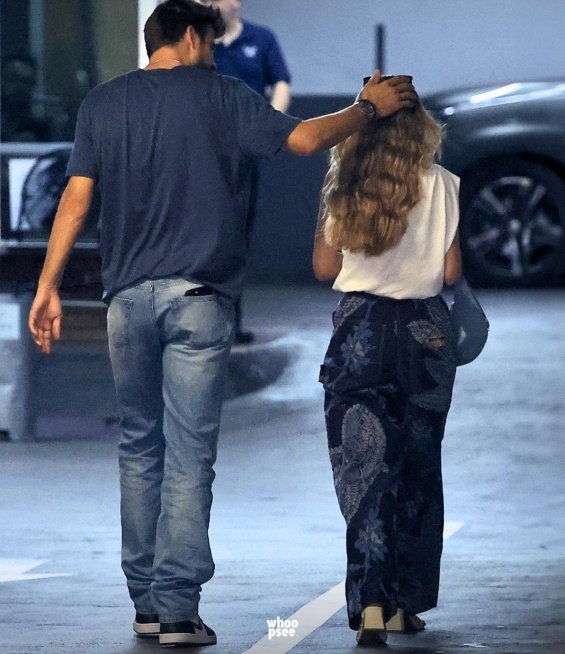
(169, 357)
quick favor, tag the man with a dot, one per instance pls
(252, 54)
(165, 145)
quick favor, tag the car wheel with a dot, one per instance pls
(512, 223)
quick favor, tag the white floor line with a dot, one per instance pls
(19, 570)
(313, 615)
(450, 528)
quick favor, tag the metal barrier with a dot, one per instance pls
(19, 361)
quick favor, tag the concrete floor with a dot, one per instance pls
(277, 535)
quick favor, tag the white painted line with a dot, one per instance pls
(313, 615)
(309, 617)
(451, 528)
(18, 570)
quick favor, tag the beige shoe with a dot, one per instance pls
(373, 629)
(404, 623)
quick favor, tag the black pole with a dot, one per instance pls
(380, 47)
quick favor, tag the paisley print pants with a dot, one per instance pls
(388, 376)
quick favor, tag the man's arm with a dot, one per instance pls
(280, 96)
(45, 314)
(277, 74)
(321, 133)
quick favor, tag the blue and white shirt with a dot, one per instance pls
(255, 58)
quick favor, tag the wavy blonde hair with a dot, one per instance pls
(374, 180)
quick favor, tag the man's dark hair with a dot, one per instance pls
(170, 20)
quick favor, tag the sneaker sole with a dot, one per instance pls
(171, 640)
(146, 630)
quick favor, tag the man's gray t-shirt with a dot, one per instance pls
(170, 149)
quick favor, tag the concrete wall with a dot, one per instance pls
(115, 34)
(443, 43)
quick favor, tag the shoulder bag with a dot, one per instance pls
(469, 322)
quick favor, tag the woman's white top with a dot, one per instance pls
(412, 269)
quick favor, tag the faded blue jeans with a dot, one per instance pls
(169, 357)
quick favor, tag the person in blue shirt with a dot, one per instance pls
(252, 54)
(165, 145)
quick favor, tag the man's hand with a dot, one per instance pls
(323, 132)
(45, 314)
(45, 318)
(390, 95)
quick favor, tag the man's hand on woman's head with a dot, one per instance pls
(390, 95)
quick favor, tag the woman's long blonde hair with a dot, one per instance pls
(374, 180)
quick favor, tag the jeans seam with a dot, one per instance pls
(128, 303)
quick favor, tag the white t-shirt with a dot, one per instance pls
(412, 269)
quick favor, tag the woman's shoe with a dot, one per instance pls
(404, 623)
(373, 629)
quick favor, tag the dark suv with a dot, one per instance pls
(507, 143)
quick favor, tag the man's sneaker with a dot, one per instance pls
(186, 633)
(146, 625)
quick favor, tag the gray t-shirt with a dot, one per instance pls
(171, 152)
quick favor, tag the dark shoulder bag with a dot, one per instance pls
(469, 323)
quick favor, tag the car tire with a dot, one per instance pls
(512, 223)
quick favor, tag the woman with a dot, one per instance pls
(387, 234)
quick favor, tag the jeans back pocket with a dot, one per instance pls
(203, 321)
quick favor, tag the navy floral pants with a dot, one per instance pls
(388, 376)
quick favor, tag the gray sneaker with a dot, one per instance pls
(186, 633)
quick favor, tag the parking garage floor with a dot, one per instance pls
(277, 534)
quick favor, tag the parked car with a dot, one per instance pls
(507, 143)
